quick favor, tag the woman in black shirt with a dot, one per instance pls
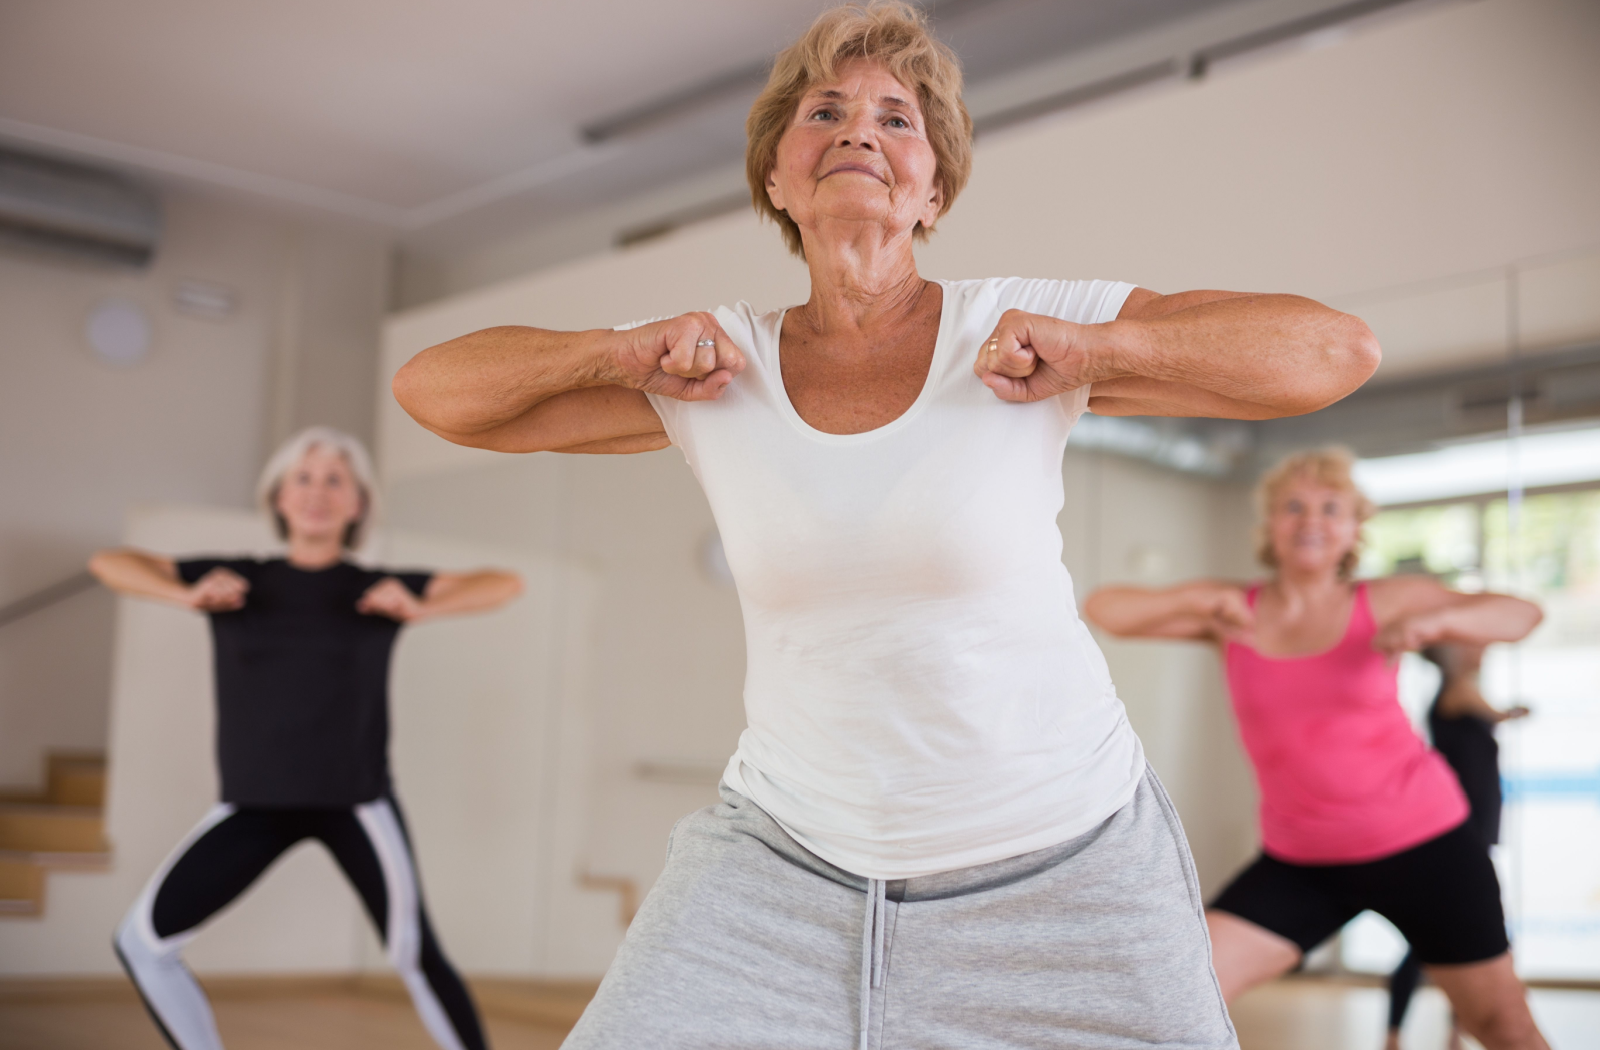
(302, 649)
(1461, 723)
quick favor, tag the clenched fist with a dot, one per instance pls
(688, 357)
(220, 590)
(389, 597)
(1029, 357)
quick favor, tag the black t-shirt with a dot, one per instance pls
(302, 684)
(1467, 742)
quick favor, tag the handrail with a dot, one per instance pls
(46, 597)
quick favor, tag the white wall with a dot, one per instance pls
(81, 441)
(485, 760)
(1420, 154)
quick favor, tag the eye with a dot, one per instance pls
(898, 122)
(823, 114)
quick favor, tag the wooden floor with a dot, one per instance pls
(1296, 1014)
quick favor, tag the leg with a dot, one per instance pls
(218, 861)
(1490, 1003)
(1402, 985)
(1245, 955)
(370, 844)
(1267, 918)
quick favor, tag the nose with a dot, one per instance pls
(857, 131)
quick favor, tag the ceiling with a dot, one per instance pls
(427, 115)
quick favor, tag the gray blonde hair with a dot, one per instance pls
(888, 31)
(290, 452)
(1330, 467)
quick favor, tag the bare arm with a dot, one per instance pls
(1202, 353)
(447, 594)
(1205, 610)
(145, 575)
(1414, 612)
(515, 389)
(1466, 699)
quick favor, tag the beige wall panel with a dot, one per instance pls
(1440, 328)
(1560, 303)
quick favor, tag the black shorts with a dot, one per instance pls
(1443, 897)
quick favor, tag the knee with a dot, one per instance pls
(1502, 1025)
(132, 945)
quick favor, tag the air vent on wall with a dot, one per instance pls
(77, 210)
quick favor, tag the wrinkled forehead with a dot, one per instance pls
(323, 458)
(859, 79)
(1309, 490)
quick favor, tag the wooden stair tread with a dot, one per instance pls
(21, 887)
(45, 828)
(59, 828)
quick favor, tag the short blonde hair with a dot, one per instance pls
(290, 452)
(887, 31)
(1330, 467)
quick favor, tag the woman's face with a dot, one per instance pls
(1312, 527)
(857, 151)
(319, 496)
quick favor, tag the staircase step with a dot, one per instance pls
(21, 887)
(52, 829)
(76, 780)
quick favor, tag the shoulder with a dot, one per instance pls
(1083, 302)
(415, 580)
(191, 569)
(1395, 596)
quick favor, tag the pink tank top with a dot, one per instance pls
(1343, 777)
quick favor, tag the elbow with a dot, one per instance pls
(1349, 360)
(1094, 610)
(415, 390)
(1363, 352)
(1355, 355)
(1535, 618)
(409, 388)
(102, 562)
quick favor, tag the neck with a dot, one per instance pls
(315, 552)
(1302, 585)
(861, 277)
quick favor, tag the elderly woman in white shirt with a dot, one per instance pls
(939, 828)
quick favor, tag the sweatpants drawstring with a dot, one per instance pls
(872, 932)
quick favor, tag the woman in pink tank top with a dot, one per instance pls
(1357, 812)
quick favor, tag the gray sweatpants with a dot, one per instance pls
(749, 941)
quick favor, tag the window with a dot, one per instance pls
(1549, 857)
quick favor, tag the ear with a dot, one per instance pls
(930, 214)
(774, 194)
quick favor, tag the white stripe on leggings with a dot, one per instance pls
(168, 988)
(404, 921)
(141, 916)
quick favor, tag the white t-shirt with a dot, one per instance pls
(920, 692)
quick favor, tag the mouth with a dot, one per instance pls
(859, 169)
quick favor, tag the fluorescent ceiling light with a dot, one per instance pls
(1481, 467)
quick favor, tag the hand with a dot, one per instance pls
(1514, 712)
(220, 590)
(1029, 357)
(389, 597)
(1228, 611)
(666, 358)
(1410, 634)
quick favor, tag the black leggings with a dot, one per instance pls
(1468, 744)
(228, 851)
